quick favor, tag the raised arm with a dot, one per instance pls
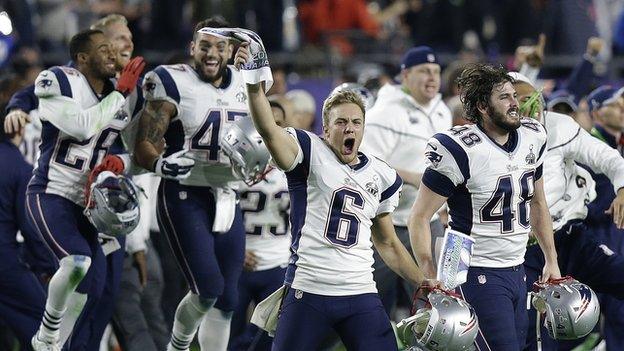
(427, 204)
(281, 145)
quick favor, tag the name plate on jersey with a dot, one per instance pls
(455, 259)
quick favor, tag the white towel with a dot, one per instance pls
(257, 69)
(225, 205)
(266, 312)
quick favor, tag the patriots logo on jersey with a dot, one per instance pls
(433, 157)
(150, 86)
(121, 115)
(45, 83)
(530, 158)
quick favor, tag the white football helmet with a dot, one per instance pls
(365, 94)
(247, 151)
(571, 308)
(446, 323)
(113, 204)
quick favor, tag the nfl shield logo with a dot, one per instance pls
(298, 294)
(482, 279)
(183, 195)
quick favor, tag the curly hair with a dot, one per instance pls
(476, 83)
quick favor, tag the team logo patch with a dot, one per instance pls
(183, 195)
(298, 294)
(150, 86)
(45, 83)
(372, 188)
(482, 279)
(430, 58)
(607, 251)
(530, 158)
(121, 115)
(433, 157)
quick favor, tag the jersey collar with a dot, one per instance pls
(510, 146)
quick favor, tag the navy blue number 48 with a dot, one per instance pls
(499, 208)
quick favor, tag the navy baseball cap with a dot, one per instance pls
(561, 97)
(418, 55)
(602, 96)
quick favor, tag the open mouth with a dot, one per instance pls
(212, 64)
(349, 143)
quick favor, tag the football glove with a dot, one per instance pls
(130, 75)
(111, 163)
(175, 166)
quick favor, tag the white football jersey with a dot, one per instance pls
(69, 109)
(332, 206)
(568, 186)
(489, 187)
(265, 208)
(204, 112)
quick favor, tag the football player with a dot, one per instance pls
(490, 174)
(82, 114)
(341, 200)
(191, 106)
(569, 188)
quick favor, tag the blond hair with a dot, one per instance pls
(104, 22)
(339, 98)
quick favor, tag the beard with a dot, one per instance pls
(503, 121)
(99, 68)
(200, 68)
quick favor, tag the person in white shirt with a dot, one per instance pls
(398, 126)
(341, 204)
(490, 174)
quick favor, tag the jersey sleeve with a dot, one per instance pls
(297, 135)
(160, 85)
(57, 105)
(597, 155)
(389, 198)
(447, 165)
(24, 99)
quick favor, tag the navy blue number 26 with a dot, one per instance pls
(105, 139)
(498, 209)
(343, 226)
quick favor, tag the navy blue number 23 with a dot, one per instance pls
(498, 209)
(343, 226)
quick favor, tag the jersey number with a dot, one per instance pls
(104, 141)
(206, 138)
(257, 202)
(343, 226)
(469, 139)
(499, 207)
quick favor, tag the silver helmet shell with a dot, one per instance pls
(571, 308)
(447, 323)
(367, 97)
(113, 204)
(246, 150)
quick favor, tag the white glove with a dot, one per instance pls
(174, 166)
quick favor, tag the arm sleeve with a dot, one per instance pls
(159, 85)
(24, 99)
(389, 199)
(299, 158)
(598, 156)
(57, 106)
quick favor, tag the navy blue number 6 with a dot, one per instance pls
(343, 226)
